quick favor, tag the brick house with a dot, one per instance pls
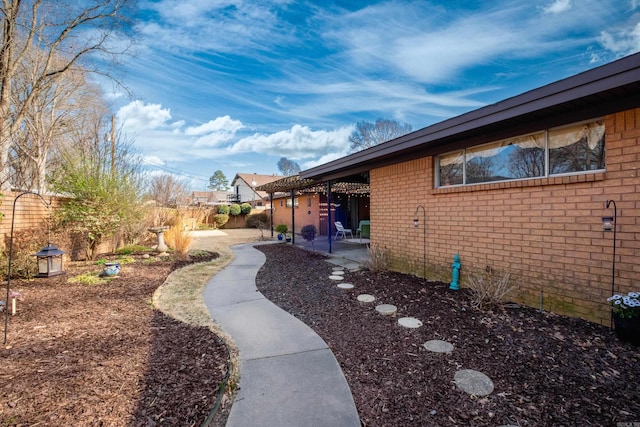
(519, 186)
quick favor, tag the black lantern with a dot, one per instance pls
(49, 261)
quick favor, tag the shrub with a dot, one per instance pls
(234, 209)
(245, 209)
(378, 259)
(220, 220)
(257, 220)
(282, 229)
(25, 244)
(223, 209)
(179, 240)
(308, 232)
(488, 288)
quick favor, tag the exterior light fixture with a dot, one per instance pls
(49, 261)
(607, 223)
(415, 222)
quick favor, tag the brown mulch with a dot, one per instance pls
(101, 355)
(548, 370)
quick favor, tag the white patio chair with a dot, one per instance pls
(342, 231)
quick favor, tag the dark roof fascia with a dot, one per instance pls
(555, 101)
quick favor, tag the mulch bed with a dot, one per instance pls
(548, 370)
(100, 355)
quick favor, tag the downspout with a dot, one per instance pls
(329, 213)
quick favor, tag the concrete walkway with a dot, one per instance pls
(288, 374)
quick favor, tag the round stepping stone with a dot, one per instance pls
(345, 286)
(409, 322)
(336, 277)
(386, 309)
(366, 298)
(473, 382)
(438, 346)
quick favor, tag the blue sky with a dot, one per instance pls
(236, 85)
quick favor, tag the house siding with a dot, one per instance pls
(546, 232)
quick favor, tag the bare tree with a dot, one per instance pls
(67, 33)
(288, 167)
(526, 162)
(368, 134)
(167, 190)
(47, 121)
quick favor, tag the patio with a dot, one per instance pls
(356, 250)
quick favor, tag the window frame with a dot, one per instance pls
(463, 154)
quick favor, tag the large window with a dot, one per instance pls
(570, 149)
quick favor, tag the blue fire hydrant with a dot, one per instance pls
(455, 273)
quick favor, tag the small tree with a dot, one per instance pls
(105, 191)
(218, 181)
(223, 209)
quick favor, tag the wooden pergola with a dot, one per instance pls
(295, 185)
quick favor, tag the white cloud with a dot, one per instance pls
(220, 124)
(623, 42)
(558, 6)
(299, 142)
(138, 116)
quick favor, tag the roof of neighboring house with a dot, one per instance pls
(603, 90)
(254, 180)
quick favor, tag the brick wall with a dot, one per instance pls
(306, 213)
(546, 232)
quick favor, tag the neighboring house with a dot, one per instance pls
(209, 198)
(244, 188)
(518, 187)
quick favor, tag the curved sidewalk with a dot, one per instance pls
(288, 374)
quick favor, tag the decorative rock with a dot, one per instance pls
(366, 298)
(438, 346)
(473, 382)
(338, 272)
(386, 309)
(345, 286)
(409, 322)
(336, 277)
